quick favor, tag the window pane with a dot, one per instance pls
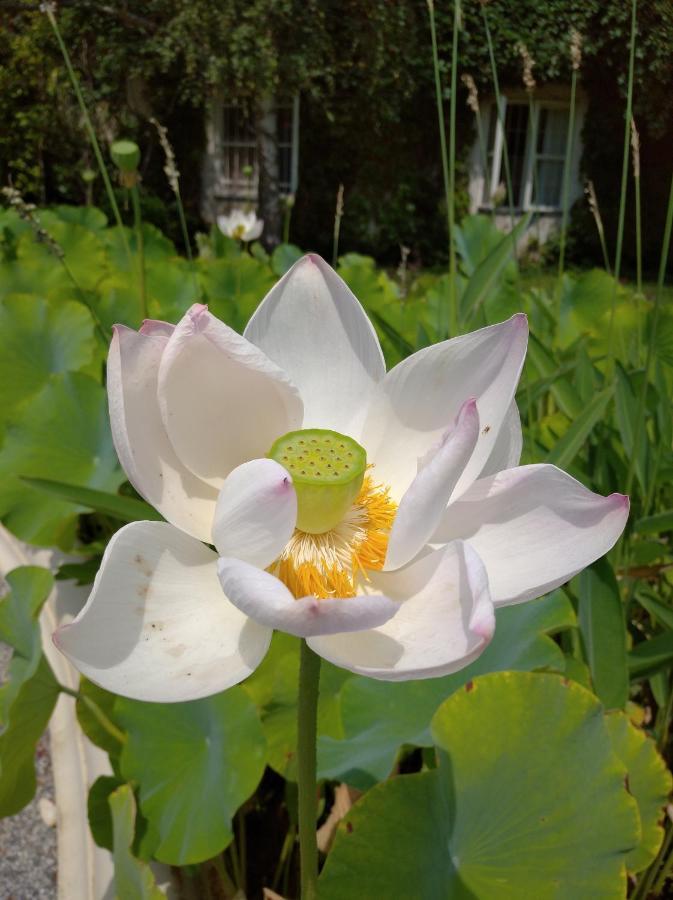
(549, 178)
(553, 132)
(516, 130)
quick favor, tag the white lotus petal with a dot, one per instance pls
(445, 621)
(157, 625)
(506, 452)
(141, 442)
(266, 600)
(256, 512)
(222, 401)
(534, 527)
(157, 327)
(413, 403)
(312, 326)
(424, 501)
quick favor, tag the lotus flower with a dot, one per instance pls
(240, 225)
(383, 517)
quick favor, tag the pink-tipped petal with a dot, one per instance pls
(445, 620)
(157, 327)
(256, 512)
(424, 501)
(266, 600)
(157, 625)
(313, 327)
(534, 527)
(141, 442)
(413, 403)
(223, 402)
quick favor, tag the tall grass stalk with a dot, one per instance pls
(88, 124)
(595, 209)
(635, 153)
(501, 122)
(338, 215)
(651, 340)
(173, 177)
(567, 165)
(473, 104)
(453, 297)
(448, 174)
(622, 197)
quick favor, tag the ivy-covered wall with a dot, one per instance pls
(368, 119)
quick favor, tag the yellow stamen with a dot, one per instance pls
(330, 564)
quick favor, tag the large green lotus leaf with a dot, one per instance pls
(85, 254)
(30, 691)
(648, 780)
(528, 801)
(29, 587)
(195, 764)
(234, 287)
(89, 217)
(171, 289)
(133, 878)
(379, 717)
(156, 247)
(38, 338)
(284, 257)
(273, 688)
(372, 286)
(63, 434)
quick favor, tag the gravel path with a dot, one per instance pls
(27, 845)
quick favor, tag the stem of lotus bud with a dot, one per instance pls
(327, 470)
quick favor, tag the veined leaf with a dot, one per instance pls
(601, 621)
(485, 276)
(548, 367)
(571, 443)
(651, 656)
(126, 509)
(656, 524)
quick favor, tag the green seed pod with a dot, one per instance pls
(125, 155)
(327, 470)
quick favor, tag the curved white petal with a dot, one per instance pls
(421, 507)
(445, 621)
(157, 327)
(256, 512)
(255, 228)
(506, 452)
(141, 442)
(416, 399)
(313, 327)
(222, 401)
(266, 600)
(534, 527)
(157, 625)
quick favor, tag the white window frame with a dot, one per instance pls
(530, 155)
(222, 149)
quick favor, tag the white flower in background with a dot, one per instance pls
(381, 516)
(240, 225)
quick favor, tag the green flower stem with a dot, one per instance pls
(651, 341)
(565, 203)
(448, 180)
(88, 126)
(501, 123)
(138, 225)
(622, 198)
(97, 712)
(309, 687)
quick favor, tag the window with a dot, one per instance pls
(238, 175)
(535, 140)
